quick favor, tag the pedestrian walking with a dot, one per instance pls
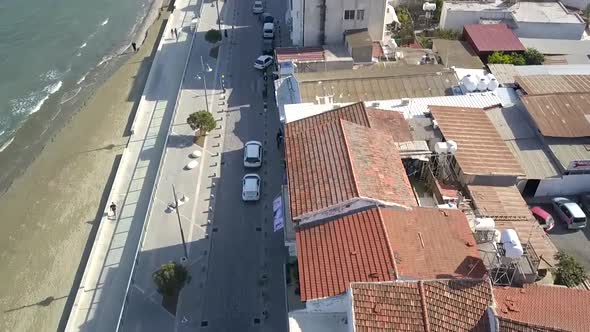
(134, 46)
(279, 138)
(114, 209)
(176, 33)
(172, 32)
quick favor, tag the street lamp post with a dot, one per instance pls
(202, 76)
(179, 223)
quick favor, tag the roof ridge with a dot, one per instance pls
(424, 306)
(390, 250)
(349, 157)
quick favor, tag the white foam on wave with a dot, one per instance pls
(33, 102)
(70, 95)
(5, 145)
(105, 22)
(82, 79)
(83, 45)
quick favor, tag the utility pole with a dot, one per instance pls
(179, 223)
(218, 17)
(205, 81)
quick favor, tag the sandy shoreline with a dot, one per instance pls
(49, 212)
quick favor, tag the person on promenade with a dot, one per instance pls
(279, 138)
(134, 46)
(114, 209)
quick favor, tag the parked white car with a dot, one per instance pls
(250, 187)
(253, 154)
(263, 62)
(569, 212)
(268, 31)
(258, 7)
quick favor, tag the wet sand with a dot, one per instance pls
(48, 216)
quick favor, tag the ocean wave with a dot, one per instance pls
(83, 45)
(33, 102)
(105, 22)
(5, 145)
(70, 95)
(82, 79)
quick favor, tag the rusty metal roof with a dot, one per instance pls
(509, 210)
(481, 150)
(300, 54)
(545, 84)
(493, 37)
(561, 114)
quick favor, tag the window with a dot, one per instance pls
(349, 14)
(360, 14)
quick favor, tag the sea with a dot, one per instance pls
(55, 50)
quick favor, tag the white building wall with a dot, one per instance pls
(311, 22)
(566, 185)
(456, 19)
(550, 30)
(296, 18)
(338, 303)
(336, 25)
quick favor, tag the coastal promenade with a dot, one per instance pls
(103, 287)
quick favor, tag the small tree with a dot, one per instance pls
(213, 36)
(533, 57)
(170, 278)
(511, 59)
(202, 121)
(569, 272)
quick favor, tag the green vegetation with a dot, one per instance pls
(447, 34)
(213, 36)
(530, 57)
(170, 278)
(202, 121)
(439, 4)
(569, 272)
(425, 42)
(406, 33)
(533, 57)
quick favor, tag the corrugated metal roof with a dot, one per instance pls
(456, 53)
(300, 54)
(560, 115)
(514, 127)
(569, 149)
(545, 84)
(505, 74)
(557, 46)
(510, 211)
(481, 150)
(493, 37)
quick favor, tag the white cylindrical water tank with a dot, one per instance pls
(484, 224)
(429, 7)
(469, 82)
(493, 85)
(441, 147)
(482, 85)
(497, 236)
(511, 243)
(452, 147)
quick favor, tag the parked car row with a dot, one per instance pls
(566, 211)
(251, 182)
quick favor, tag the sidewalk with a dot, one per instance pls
(102, 291)
(162, 242)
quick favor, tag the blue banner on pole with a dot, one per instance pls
(277, 209)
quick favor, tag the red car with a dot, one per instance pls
(543, 217)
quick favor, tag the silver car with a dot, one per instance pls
(569, 212)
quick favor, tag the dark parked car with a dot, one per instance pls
(267, 47)
(267, 18)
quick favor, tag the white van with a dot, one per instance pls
(268, 31)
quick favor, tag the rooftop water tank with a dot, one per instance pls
(482, 85)
(452, 147)
(484, 224)
(428, 6)
(511, 243)
(493, 83)
(469, 82)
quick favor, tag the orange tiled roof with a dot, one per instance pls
(480, 149)
(334, 157)
(436, 305)
(430, 243)
(545, 306)
(362, 247)
(335, 253)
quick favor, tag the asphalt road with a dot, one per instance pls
(244, 290)
(573, 242)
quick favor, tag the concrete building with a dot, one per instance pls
(527, 19)
(319, 22)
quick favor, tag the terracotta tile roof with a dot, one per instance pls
(437, 305)
(361, 247)
(481, 150)
(560, 115)
(376, 165)
(335, 253)
(545, 84)
(300, 54)
(331, 161)
(492, 37)
(508, 325)
(390, 122)
(545, 306)
(510, 211)
(430, 243)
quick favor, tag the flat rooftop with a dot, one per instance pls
(541, 12)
